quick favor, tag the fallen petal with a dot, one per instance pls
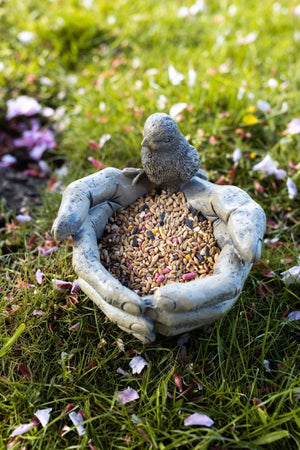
(291, 275)
(122, 372)
(198, 419)
(176, 109)
(77, 420)
(129, 395)
(39, 276)
(104, 138)
(96, 163)
(38, 313)
(24, 428)
(43, 415)
(61, 285)
(137, 364)
(292, 189)
(236, 155)
(174, 76)
(294, 315)
(23, 218)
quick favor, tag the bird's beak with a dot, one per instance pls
(145, 143)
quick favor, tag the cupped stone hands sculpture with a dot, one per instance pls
(239, 225)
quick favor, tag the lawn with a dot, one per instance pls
(92, 72)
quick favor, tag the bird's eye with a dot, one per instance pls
(167, 140)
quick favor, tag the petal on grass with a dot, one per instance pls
(174, 76)
(264, 106)
(98, 164)
(23, 218)
(292, 189)
(77, 420)
(293, 127)
(26, 37)
(176, 109)
(137, 364)
(37, 312)
(269, 167)
(294, 315)
(291, 275)
(236, 155)
(24, 428)
(104, 138)
(39, 276)
(61, 285)
(129, 395)
(122, 372)
(43, 415)
(198, 419)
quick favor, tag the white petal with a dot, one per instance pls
(294, 315)
(39, 276)
(263, 105)
(291, 275)
(192, 75)
(137, 364)
(43, 415)
(26, 37)
(77, 420)
(24, 428)
(236, 155)
(198, 419)
(104, 138)
(292, 189)
(176, 109)
(174, 76)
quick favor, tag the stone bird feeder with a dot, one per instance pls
(171, 163)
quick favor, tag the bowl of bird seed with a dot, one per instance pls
(157, 240)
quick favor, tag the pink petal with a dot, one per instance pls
(129, 395)
(77, 420)
(39, 276)
(61, 285)
(137, 364)
(96, 163)
(198, 419)
(46, 251)
(43, 415)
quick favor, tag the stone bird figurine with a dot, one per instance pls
(168, 159)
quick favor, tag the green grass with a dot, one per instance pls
(48, 365)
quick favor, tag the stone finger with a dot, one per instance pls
(172, 324)
(136, 325)
(87, 265)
